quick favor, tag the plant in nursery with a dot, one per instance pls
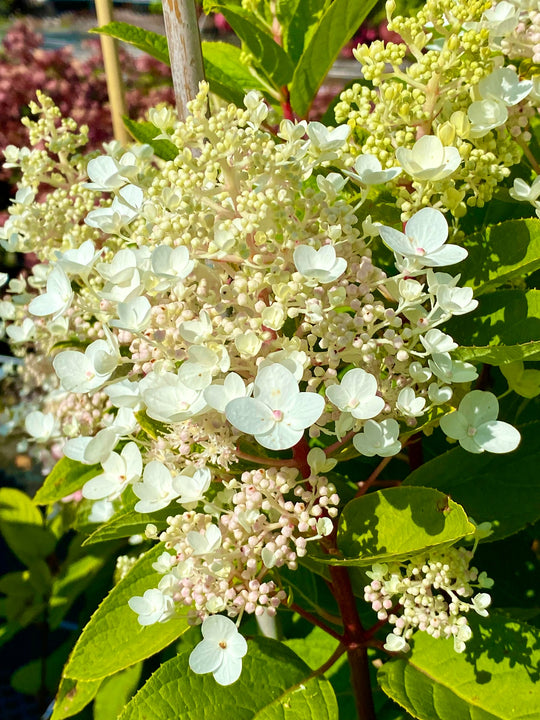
(238, 364)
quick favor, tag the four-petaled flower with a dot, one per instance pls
(357, 394)
(220, 652)
(474, 424)
(423, 240)
(278, 412)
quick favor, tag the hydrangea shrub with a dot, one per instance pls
(246, 344)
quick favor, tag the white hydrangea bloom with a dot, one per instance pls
(368, 171)
(319, 266)
(278, 412)
(428, 159)
(120, 470)
(156, 490)
(356, 394)
(451, 371)
(58, 297)
(409, 404)
(133, 315)
(424, 240)
(525, 193)
(474, 424)
(378, 438)
(220, 652)
(41, 426)
(154, 606)
(218, 396)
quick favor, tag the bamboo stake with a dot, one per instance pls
(113, 72)
(184, 41)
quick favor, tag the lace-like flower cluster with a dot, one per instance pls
(432, 594)
(223, 555)
(224, 306)
(440, 105)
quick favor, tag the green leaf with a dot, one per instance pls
(268, 56)
(73, 696)
(145, 40)
(70, 583)
(153, 428)
(504, 317)
(336, 27)
(501, 253)
(274, 684)
(523, 382)
(66, 477)
(496, 678)
(27, 678)
(298, 25)
(115, 692)
(226, 72)
(22, 526)
(113, 639)
(145, 132)
(508, 481)
(396, 523)
(498, 354)
(127, 522)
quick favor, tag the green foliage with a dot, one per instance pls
(66, 477)
(503, 317)
(73, 696)
(335, 28)
(113, 639)
(393, 524)
(496, 678)
(499, 354)
(145, 132)
(269, 57)
(274, 684)
(509, 481)
(115, 692)
(145, 40)
(127, 522)
(227, 74)
(22, 525)
(501, 254)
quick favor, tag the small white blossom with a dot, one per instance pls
(220, 652)
(58, 297)
(423, 240)
(106, 173)
(120, 470)
(357, 394)
(278, 412)
(435, 341)
(218, 396)
(504, 84)
(378, 438)
(204, 543)
(368, 171)
(428, 159)
(21, 333)
(525, 193)
(410, 405)
(319, 266)
(485, 115)
(133, 315)
(41, 426)
(79, 261)
(156, 490)
(152, 607)
(451, 371)
(396, 643)
(456, 300)
(474, 424)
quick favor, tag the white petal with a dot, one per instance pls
(428, 229)
(306, 410)
(229, 671)
(249, 415)
(497, 437)
(206, 657)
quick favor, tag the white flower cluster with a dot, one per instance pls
(432, 594)
(209, 309)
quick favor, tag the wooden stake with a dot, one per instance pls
(187, 68)
(113, 72)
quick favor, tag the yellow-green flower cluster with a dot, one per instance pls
(425, 86)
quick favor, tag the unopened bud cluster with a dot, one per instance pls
(429, 593)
